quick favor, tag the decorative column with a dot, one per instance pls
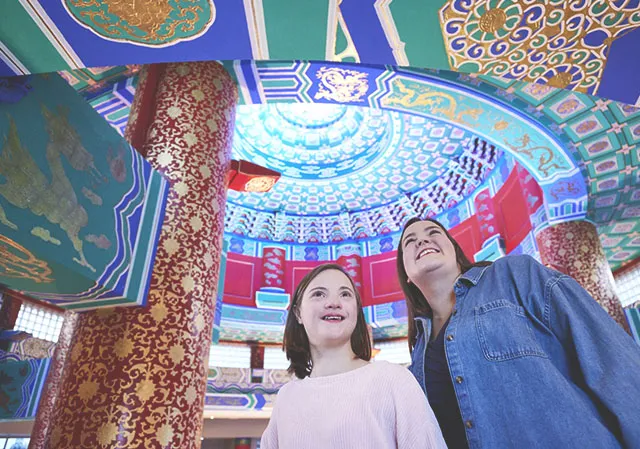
(257, 363)
(136, 377)
(257, 356)
(10, 309)
(242, 443)
(574, 248)
(42, 427)
(350, 258)
(272, 294)
(11, 305)
(217, 314)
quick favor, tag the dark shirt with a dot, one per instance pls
(441, 395)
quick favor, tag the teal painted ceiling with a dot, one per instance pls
(579, 45)
(600, 136)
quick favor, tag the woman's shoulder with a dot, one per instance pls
(523, 264)
(515, 260)
(519, 264)
(292, 391)
(389, 370)
(291, 384)
(397, 380)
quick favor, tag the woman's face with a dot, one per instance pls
(426, 249)
(328, 310)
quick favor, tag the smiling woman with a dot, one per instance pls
(514, 342)
(329, 403)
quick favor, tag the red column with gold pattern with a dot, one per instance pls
(9, 310)
(42, 426)
(136, 377)
(574, 248)
(242, 443)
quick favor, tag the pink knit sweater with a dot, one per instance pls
(378, 406)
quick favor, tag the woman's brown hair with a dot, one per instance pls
(417, 304)
(296, 343)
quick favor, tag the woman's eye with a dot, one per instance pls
(435, 231)
(406, 242)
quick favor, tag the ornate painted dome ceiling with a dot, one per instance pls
(344, 167)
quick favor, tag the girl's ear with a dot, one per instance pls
(296, 312)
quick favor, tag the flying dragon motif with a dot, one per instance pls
(27, 187)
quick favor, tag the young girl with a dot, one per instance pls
(513, 354)
(340, 399)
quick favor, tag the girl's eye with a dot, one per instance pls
(317, 294)
(409, 240)
(347, 294)
(435, 231)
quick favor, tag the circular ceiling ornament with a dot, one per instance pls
(339, 160)
(311, 115)
(312, 142)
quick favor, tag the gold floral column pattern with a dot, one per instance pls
(46, 406)
(574, 248)
(136, 378)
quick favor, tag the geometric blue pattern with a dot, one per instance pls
(349, 172)
(354, 159)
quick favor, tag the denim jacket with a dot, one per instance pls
(536, 362)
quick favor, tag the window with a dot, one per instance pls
(40, 322)
(229, 356)
(275, 358)
(14, 443)
(393, 351)
(628, 286)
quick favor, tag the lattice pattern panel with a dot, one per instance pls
(230, 356)
(275, 358)
(14, 443)
(40, 322)
(628, 286)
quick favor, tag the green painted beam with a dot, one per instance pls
(27, 41)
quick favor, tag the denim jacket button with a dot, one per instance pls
(459, 379)
(469, 424)
(449, 337)
(455, 312)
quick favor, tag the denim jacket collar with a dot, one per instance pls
(472, 275)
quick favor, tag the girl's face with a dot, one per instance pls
(328, 310)
(426, 249)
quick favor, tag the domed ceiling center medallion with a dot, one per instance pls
(346, 170)
(310, 141)
(311, 115)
